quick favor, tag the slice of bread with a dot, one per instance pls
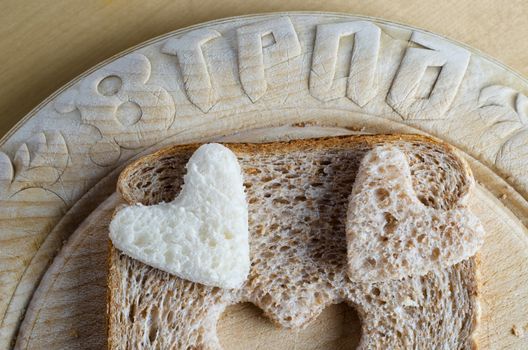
(298, 194)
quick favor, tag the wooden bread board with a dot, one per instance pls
(256, 78)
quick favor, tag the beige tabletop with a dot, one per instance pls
(46, 43)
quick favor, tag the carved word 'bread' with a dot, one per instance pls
(391, 234)
(202, 235)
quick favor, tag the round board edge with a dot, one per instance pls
(26, 119)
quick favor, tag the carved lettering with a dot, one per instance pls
(196, 77)
(361, 83)
(453, 62)
(254, 55)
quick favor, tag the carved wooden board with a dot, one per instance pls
(330, 73)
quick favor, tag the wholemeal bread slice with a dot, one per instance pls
(298, 195)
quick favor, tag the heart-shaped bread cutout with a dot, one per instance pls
(392, 234)
(202, 235)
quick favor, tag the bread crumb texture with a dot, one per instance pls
(298, 195)
(393, 233)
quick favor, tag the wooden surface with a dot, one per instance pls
(226, 77)
(72, 295)
(46, 43)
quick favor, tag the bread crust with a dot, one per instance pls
(286, 147)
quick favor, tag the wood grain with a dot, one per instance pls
(338, 327)
(61, 163)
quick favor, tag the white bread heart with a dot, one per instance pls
(391, 234)
(202, 235)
